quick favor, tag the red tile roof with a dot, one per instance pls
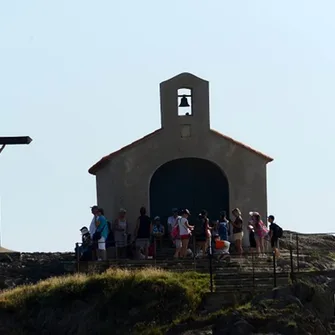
(267, 158)
(104, 160)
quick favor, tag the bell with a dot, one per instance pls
(184, 102)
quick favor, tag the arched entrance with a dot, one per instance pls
(191, 183)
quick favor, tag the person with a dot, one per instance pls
(175, 237)
(120, 228)
(237, 230)
(185, 230)
(158, 231)
(260, 232)
(143, 231)
(275, 233)
(85, 250)
(251, 229)
(171, 221)
(101, 234)
(92, 227)
(223, 226)
(202, 232)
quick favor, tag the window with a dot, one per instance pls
(184, 97)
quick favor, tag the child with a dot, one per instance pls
(85, 251)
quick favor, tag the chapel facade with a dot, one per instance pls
(183, 164)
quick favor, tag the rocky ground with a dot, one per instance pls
(302, 308)
(28, 268)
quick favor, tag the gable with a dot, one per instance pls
(104, 160)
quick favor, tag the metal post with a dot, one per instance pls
(155, 250)
(210, 265)
(298, 256)
(274, 270)
(291, 260)
(194, 246)
(253, 271)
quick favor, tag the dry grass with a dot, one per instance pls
(116, 299)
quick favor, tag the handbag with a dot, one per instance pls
(175, 231)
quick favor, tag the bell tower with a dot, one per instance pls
(185, 104)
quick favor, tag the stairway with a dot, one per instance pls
(332, 326)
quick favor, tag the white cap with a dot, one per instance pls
(84, 231)
(157, 218)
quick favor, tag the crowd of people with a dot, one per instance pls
(217, 237)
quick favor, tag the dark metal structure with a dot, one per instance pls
(14, 140)
(191, 183)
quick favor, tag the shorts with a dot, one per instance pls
(184, 237)
(274, 242)
(102, 243)
(142, 242)
(238, 236)
(178, 244)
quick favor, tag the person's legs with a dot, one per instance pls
(184, 246)
(102, 249)
(252, 242)
(258, 245)
(261, 245)
(274, 245)
(238, 246)
(178, 248)
(141, 246)
(146, 248)
(202, 247)
(238, 243)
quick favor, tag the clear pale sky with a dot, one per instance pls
(82, 78)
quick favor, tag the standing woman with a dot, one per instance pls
(260, 233)
(202, 232)
(121, 233)
(237, 230)
(185, 232)
(251, 229)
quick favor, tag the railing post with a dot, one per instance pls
(194, 246)
(77, 256)
(291, 261)
(155, 249)
(210, 265)
(253, 270)
(274, 270)
(298, 256)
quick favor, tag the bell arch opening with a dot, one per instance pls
(191, 183)
(184, 101)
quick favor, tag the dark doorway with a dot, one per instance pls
(191, 183)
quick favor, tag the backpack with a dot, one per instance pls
(279, 232)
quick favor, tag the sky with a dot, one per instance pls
(73, 73)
